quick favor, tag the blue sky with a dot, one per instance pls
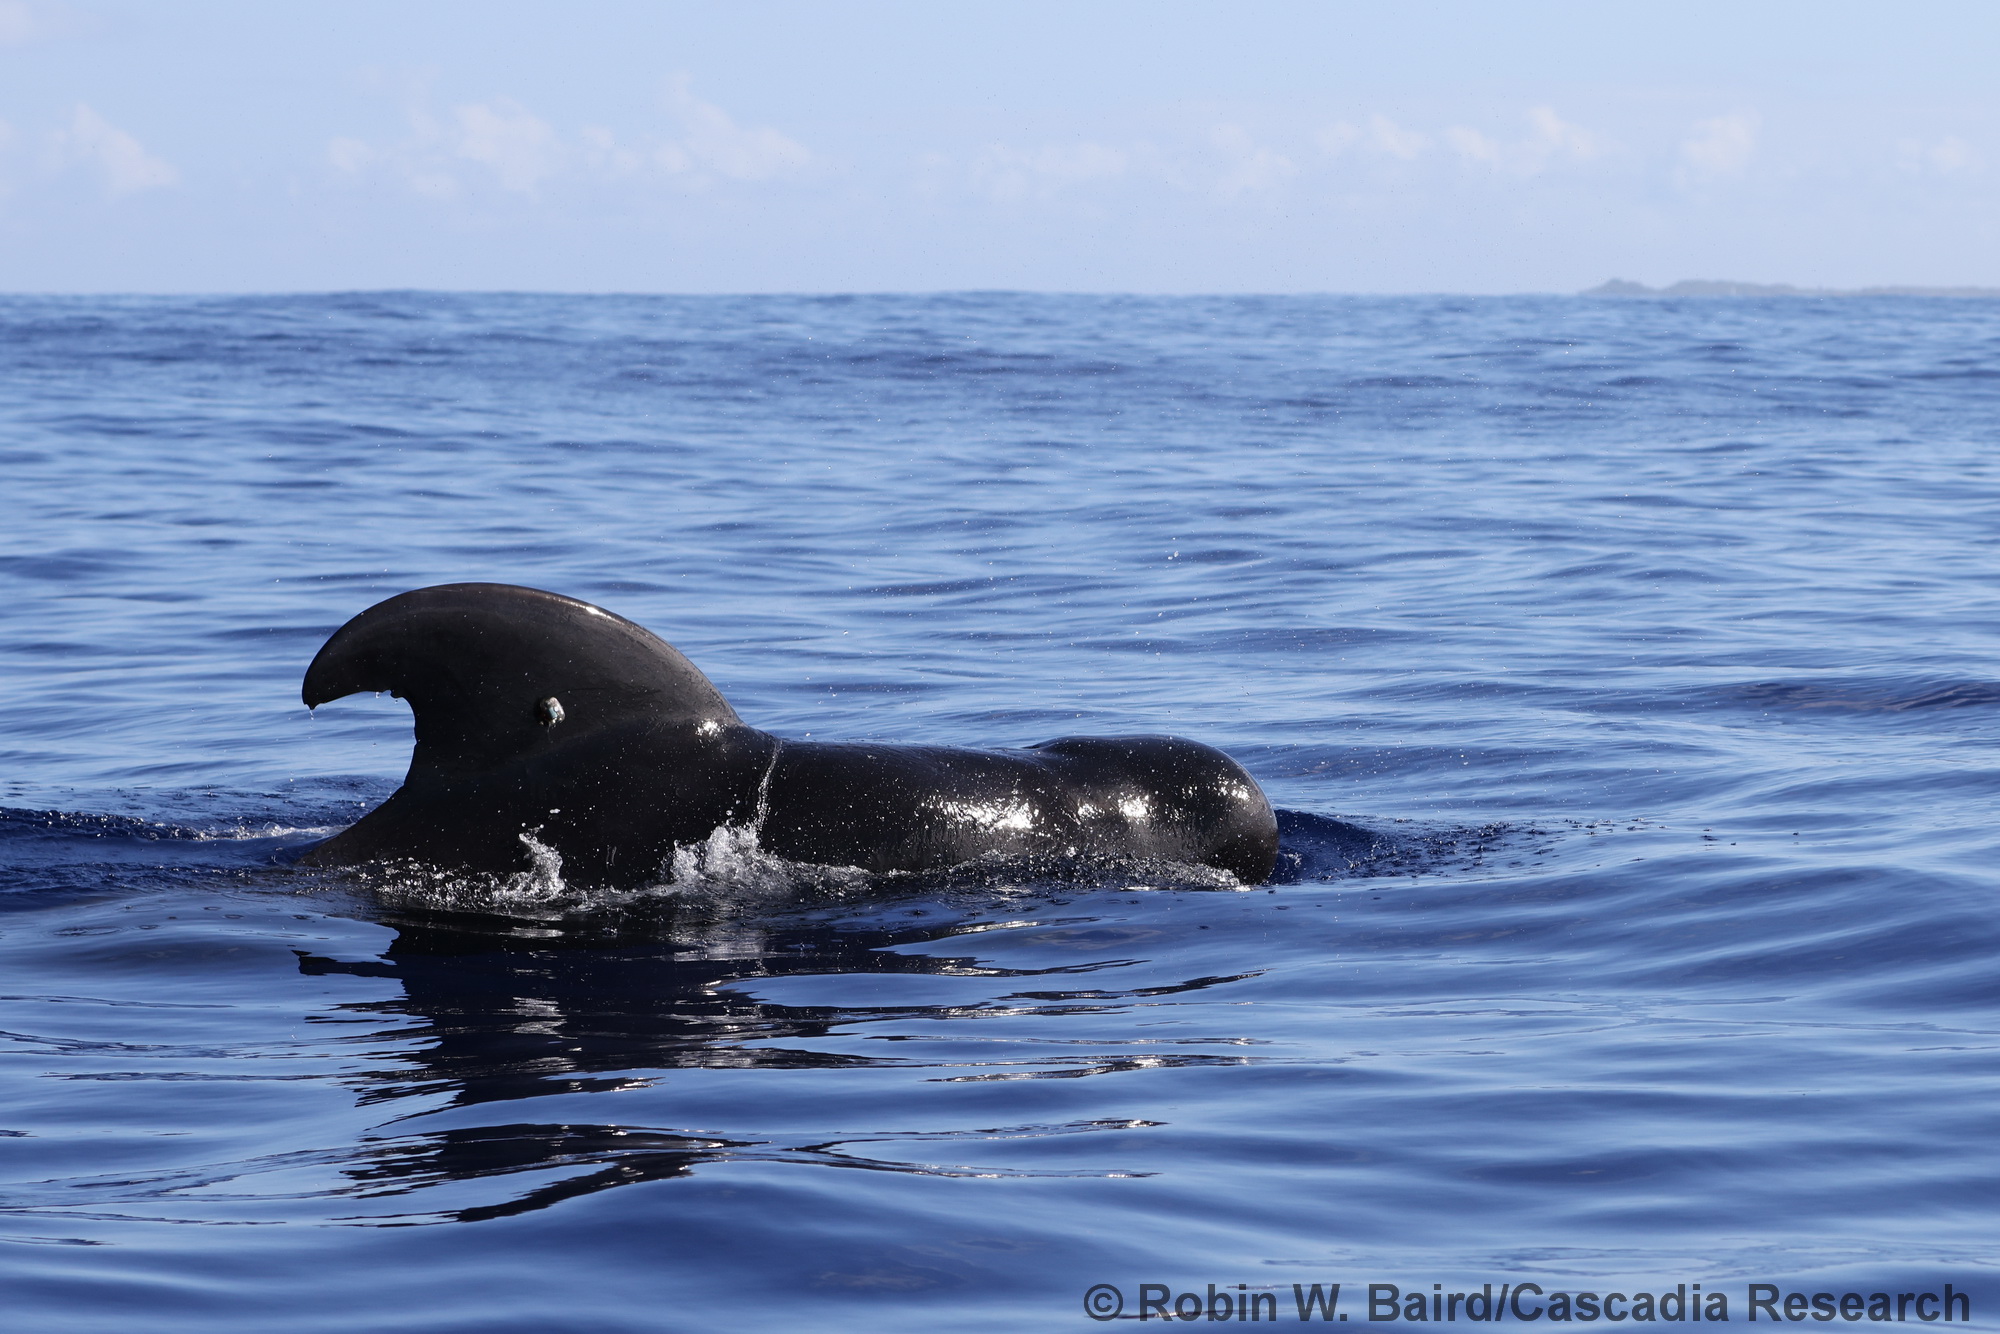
(870, 145)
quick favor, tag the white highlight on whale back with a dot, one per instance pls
(1014, 814)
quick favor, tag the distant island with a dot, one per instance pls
(1709, 287)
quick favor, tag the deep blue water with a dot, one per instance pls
(1629, 673)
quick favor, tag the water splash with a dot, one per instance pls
(542, 882)
(732, 860)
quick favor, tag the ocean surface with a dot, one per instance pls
(1627, 674)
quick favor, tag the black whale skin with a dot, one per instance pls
(644, 755)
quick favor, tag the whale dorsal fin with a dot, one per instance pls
(493, 670)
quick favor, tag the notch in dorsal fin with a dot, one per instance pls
(491, 670)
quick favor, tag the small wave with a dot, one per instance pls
(1319, 847)
(551, 1163)
(1865, 696)
(18, 823)
(52, 855)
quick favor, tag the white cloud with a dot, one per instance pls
(1944, 157)
(709, 147)
(712, 140)
(524, 153)
(1230, 162)
(1234, 162)
(520, 148)
(1557, 136)
(1007, 174)
(1385, 136)
(1253, 166)
(1378, 135)
(18, 23)
(1474, 146)
(1722, 146)
(122, 162)
(1550, 139)
(603, 155)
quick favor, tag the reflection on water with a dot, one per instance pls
(599, 1003)
(603, 1000)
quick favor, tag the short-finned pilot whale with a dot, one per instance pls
(540, 715)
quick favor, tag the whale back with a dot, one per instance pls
(478, 664)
